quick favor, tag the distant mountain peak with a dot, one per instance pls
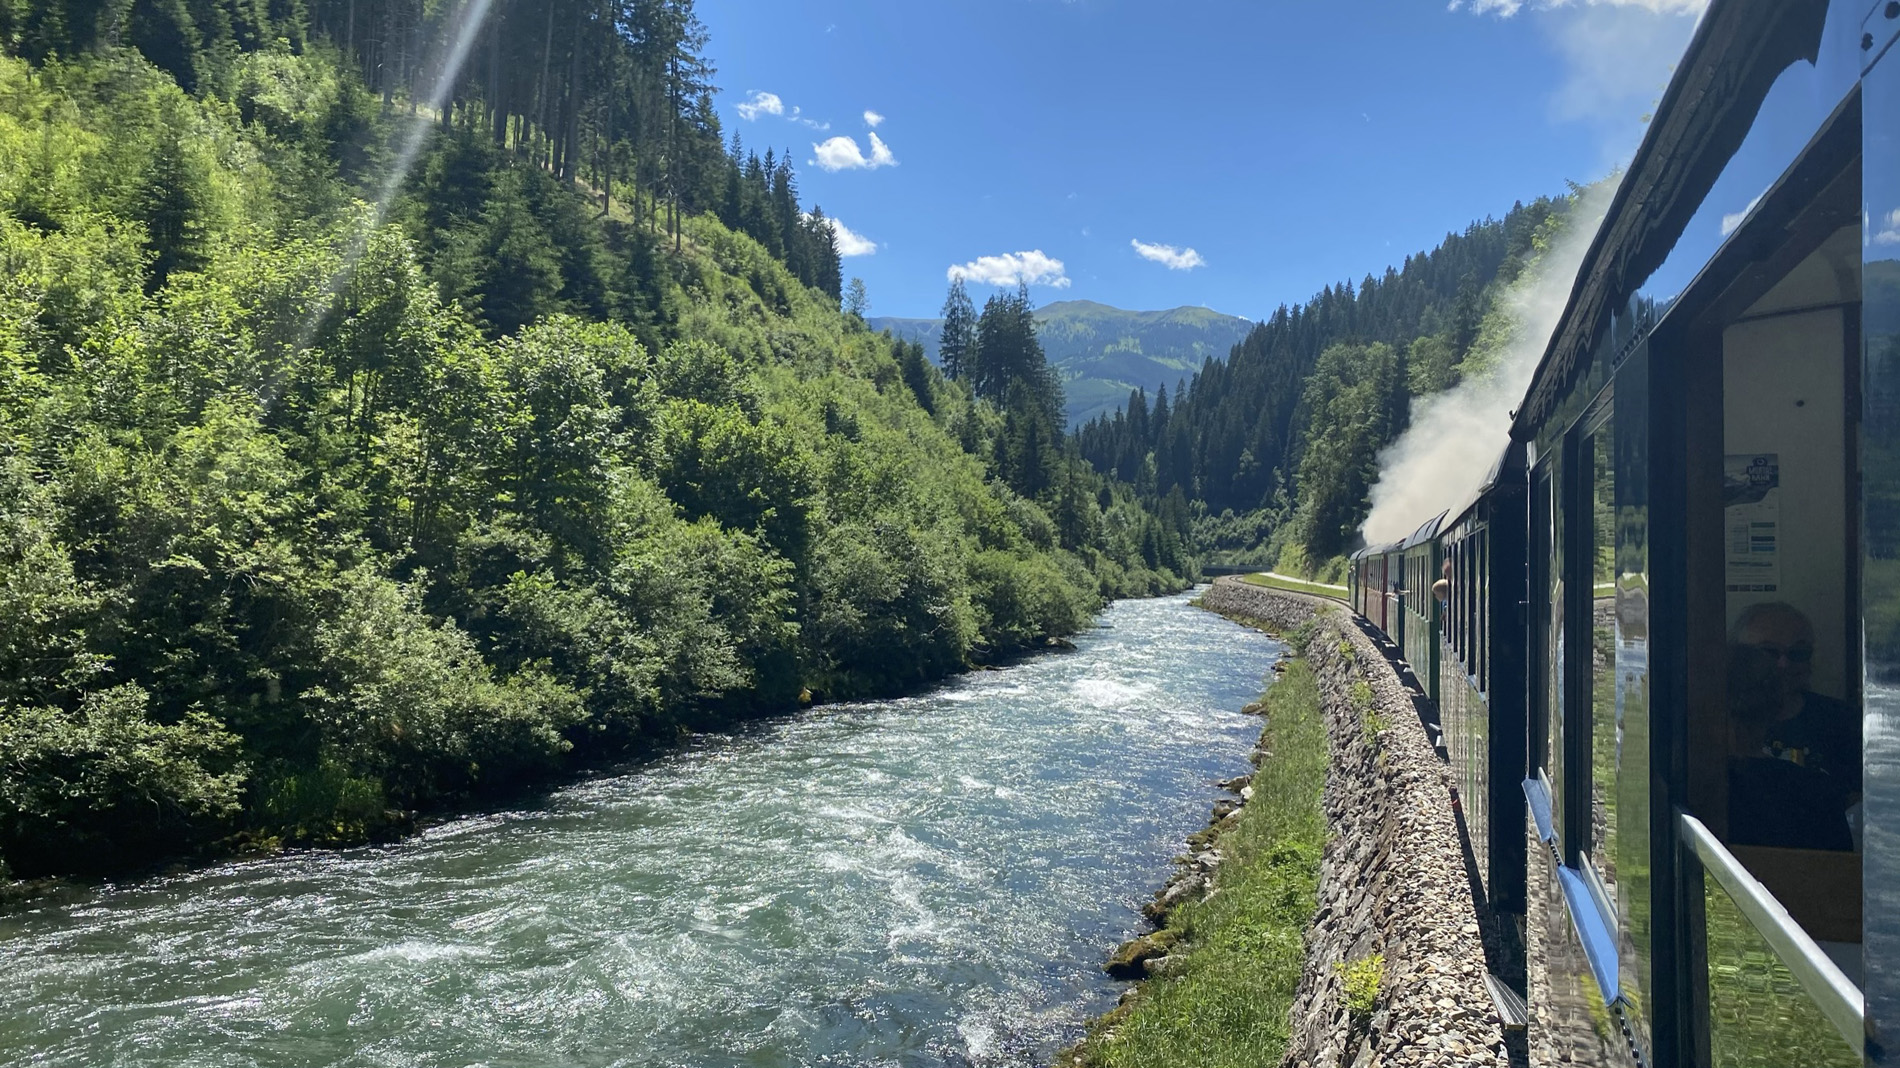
(1083, 303)
(1103, 352)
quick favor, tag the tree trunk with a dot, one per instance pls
(541, 87)
(571, 164)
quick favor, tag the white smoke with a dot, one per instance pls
(1456, 436)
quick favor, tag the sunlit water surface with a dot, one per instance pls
(925, 881)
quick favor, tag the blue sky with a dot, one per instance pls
(1257, 149)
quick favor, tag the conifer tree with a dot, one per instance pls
(171, 202)
(958, 340)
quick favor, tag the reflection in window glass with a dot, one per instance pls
(1600, 454)
(1758, 1013)
(1549, 534)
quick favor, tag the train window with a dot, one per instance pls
(1458, 599)
(1464, 597)
(1477, 609)
(1775, 605)
(1788, 530)
(1551, 537)
(1454, 594)
(1459, 585)
(1451, 599)
(1482, 645)
(1605, 732)
(1484, 614)
(1471, 605)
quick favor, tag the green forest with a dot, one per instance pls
(373, 439)
(1276, 447)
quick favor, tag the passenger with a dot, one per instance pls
(1441, 590)
(1794, 768)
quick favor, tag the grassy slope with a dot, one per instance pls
(1225, 999)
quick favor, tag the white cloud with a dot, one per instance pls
(872, 118)
(1617, 59)
(1175, 259)
(1508, 8)
(850, 242)
(759, 103)
(843, 154)
(1734, 219)
(1890, 234)
(1014, 268)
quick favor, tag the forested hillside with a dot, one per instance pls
(329, 496)
(1101, 352)
(1279, 441)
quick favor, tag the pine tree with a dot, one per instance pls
(958, 340)
(171, 202)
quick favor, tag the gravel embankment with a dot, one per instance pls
(1393, 880)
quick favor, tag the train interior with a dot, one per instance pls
(1774, 747)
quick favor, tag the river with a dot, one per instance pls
(926, 881)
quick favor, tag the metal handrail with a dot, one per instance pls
(1833, 992)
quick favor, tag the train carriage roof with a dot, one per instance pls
(1739, 49)
(1469, 501)
(1376, 550)
(1426, 531)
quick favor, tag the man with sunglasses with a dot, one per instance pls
(1795, 770)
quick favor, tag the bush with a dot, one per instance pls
(105, 787)
(1359, 982)
(891, 608)
(325, 805)
(407, 701)
(1019, 600)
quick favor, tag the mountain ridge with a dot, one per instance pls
(1103, 352)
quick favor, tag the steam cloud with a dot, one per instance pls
(1457, 435)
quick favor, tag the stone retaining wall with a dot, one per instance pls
(1393, 880)
(1272, 608)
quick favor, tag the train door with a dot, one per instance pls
(1397, 611)
(1394, 614)
(1375, 592)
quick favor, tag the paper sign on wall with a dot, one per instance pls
(1751, 512)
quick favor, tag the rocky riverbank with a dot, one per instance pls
(1393, 968)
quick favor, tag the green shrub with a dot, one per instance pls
(324, 805)
(1021, 599)
(105, 787)
(1360, 981)
(408, 701)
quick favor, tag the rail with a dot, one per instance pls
(1832, 991)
